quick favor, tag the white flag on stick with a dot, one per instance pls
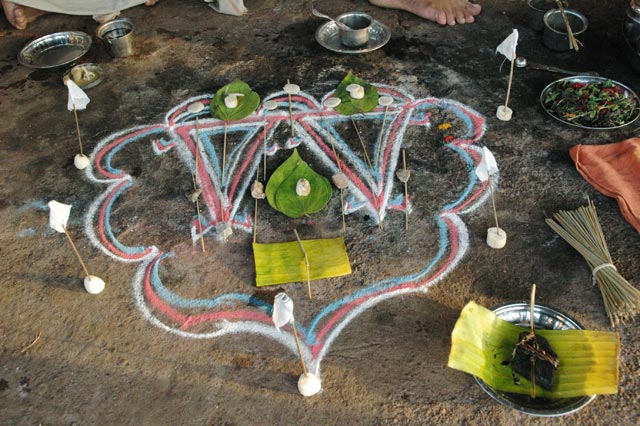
(58, 215)
(508, 46)
(77, 98)
(487, 166)
(282, 310)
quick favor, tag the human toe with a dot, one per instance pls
(473, 9)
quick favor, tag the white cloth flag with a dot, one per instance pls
(282, 310)
(508, 46)
(487, 166)
(77, 97)
(58, 215)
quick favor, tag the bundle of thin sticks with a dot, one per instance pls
(574, 43)
(582, 230)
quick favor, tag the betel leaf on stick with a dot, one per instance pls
(247, 103)
(281, 188)
(349, 105)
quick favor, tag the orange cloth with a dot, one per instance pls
(614, 170)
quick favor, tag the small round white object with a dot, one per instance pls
(231, 100)
(356, 91)
(303, 187)
(309, 384)
(195, 107)
(504, 113)
(93, 284)
(385, 100)
(332, 102)
(291, 89)
(496, 238)
(270, 105)
(81, 161)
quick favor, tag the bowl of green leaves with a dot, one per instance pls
(594, 103)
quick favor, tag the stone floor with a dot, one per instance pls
(161, 346)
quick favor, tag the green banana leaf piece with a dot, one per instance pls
(247, 104)
(481, 343)
(280, 263)
(281, 188)
(350, 106)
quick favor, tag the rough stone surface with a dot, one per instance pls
(98, 361)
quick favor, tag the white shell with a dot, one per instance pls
(403, 175)
(385, 100)
(257, 190)
(93, 284)
(504, 113)
(309, 384)
(270, 105)
(231, 100)
(332, 102)
(195, 107)
(356, 91)
(496, 238)
(303, 187)
(291, 89)
(81, 161)
(340, 180)
(194, 194)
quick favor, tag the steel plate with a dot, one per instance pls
(54, 50)
(588, 80)
(548, 319)
(328, 36)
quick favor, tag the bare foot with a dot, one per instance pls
(444, 12)
(19, 16)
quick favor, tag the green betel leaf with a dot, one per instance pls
(281, 188)
(350, 106)
(247, 104)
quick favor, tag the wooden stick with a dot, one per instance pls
(295, 335)
(201, 226)
(264, 143)
(335, 154)
(224, 153)
(379, 146)
(30, 345)
(533, 331)
(573, 42)
(364, 148)
(306, 261)
(493, 202)
(255, 213)
(75, 114)
(406, 194)
(344, 222)
(293, 133)
(506, 101)
(75, 250)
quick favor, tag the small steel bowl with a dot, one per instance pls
(555, 35)
(548, 319)
(359, 25)
(587, 80)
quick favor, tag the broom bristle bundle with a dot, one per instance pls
(581, 229)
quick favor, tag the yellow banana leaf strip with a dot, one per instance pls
(482, 345)
(281, 263)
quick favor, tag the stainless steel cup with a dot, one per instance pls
(359, 25)
(117, 37)
(555, 35)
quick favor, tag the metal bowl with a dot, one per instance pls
(85, 76)
(54, 50)
(587, 80)
(548, 319)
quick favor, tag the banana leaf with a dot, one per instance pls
(482, 345)
(280, 263)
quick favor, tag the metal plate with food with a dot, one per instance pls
(54, 50)
(545, 318)
(594, 103)
(328, 36)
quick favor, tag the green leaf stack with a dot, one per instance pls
(281, 188)
(350, 106)
(247, 104)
